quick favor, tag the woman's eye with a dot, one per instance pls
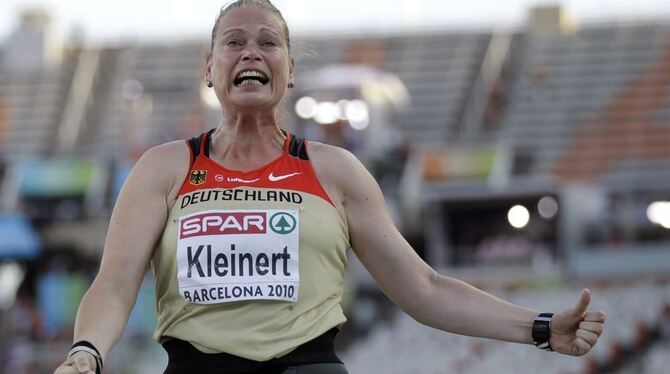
(234, 43)
(269, 43)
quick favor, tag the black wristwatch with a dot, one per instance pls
(542, 331)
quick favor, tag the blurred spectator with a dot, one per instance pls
(4, 116)
(664, 322)
(24, 318)
(505, 248)
(58, 297)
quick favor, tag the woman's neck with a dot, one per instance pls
(244, 143)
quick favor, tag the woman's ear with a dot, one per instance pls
(291, 70)
(208, 68)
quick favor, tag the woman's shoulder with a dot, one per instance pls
(166, 155)
(334, 165)
(322, 152)
(164, 166)
(330, 159)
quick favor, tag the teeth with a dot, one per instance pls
(251, 73)
(257, 77)
(250, 82)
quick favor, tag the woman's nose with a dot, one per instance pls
(251, 53)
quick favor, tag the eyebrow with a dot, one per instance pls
(270, 31)
(231, 31)
(241, 30)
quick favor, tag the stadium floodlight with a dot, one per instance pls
(342, 106)
(357, 110)
(360, 124)
(518, 216)
(306, 107)
(658, 212)
(326, 113)
(358, 114)
(547, 207)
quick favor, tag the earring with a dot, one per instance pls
(210, 84)
(291, 84)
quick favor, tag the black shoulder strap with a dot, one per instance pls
(198, 145)
(208, 142)
(194, 143)
(296, 148)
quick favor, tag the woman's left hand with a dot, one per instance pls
(575, 331)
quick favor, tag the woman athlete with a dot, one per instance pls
(247, 228)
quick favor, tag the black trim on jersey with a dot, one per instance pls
(184, 358)
(194, 142)
(208, 142)
(296, 148)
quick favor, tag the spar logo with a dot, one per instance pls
(222, 223)
(282, 223)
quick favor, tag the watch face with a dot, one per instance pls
(542, 330)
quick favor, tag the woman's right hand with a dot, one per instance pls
(79, 363)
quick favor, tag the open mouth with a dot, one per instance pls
(250, 77)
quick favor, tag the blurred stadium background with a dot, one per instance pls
(530, 161)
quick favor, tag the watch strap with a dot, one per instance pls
(89, 348)
(542, 331)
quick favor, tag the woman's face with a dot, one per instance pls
(250, 65)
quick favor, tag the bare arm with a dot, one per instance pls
(430, 298)
(138, 220)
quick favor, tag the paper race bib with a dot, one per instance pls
(233, 255)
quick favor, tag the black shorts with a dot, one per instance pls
(316, 356)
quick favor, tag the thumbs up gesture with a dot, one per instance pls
(575, 331)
